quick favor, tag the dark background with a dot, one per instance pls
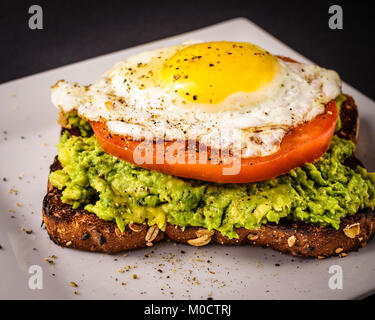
(77, 30)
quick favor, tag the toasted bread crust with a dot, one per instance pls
(349, 120)
(80, 229)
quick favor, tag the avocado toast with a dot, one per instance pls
(80, 215)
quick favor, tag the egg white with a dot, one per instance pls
(132, 100)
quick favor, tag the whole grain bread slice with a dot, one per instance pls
(80, 229)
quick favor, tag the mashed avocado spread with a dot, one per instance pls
(320, 193)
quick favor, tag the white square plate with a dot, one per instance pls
(28, 136)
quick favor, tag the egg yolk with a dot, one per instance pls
(210, 72)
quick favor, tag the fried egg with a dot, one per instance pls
(225, 95)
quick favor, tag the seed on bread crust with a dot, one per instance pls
(201, 241)
(203, 237)
(252, 237)
(134, 227)
(204, 232)
(291, 241)
(151, 234)
(352, 230)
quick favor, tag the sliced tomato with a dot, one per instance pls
(305, 143)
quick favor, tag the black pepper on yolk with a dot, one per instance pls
(210, 72)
